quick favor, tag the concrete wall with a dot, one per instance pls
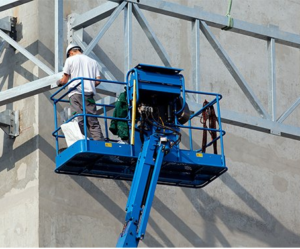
(19, 161)
(254, 204)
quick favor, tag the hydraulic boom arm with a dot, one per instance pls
(142, 191)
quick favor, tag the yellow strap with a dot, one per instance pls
(133, 114)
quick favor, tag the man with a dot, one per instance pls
(80, 65)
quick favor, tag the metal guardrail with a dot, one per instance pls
(60, 97)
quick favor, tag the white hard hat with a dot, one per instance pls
(71, 46)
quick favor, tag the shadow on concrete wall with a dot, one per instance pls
(149, 240)
(12, 157)
(267, 229)
(46, 54)
(24, 150)
(106, 202)
(19, 29)
(111, 66)
(7, 153)
(174, 220)
(6, 73)
(13, 61)
(282, 236)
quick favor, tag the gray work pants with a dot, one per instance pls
(90, 108)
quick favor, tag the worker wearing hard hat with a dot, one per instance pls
(80, 65)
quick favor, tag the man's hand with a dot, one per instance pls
(58, 83)
(63, 80)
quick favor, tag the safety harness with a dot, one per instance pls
(210, 115)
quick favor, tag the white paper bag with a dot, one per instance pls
(72, 132)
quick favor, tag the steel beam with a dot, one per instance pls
(233, 70)
(253, 123)
(8, 4)
(28, 89)
(59, 43)
(289, 111)
(23, 51)
(40, 86)
(217, 21)
(95, 15)
(109, 22)
(196, 56)
(260, 124)
(151, 36)
(272, 78)
(127, 38)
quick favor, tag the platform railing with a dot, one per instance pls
(59, 97)
(214, 102)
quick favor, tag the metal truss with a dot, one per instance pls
(9, 120)
(201, 22)
(8, 4)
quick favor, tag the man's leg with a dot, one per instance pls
(93, 123)
(76, 108)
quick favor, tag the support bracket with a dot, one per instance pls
(8, 25)
(9, 123)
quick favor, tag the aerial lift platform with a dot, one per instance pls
(157, 113)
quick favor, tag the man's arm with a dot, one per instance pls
(97, 83)
(63, 80)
